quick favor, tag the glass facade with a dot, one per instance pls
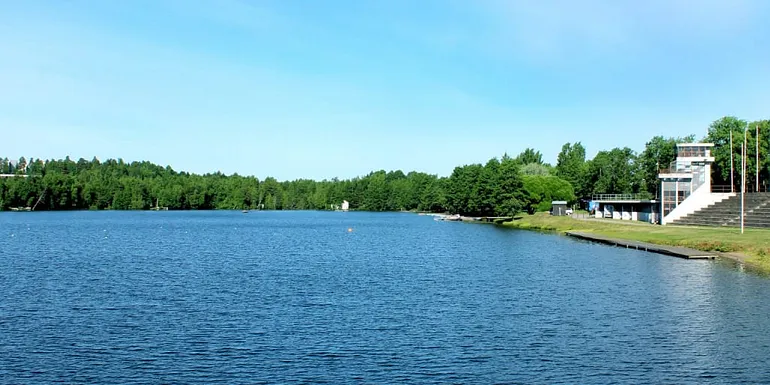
(674, 192)
(698, 175)
(681, 166)
(693, 151)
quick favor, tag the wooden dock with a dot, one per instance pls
(681, 252)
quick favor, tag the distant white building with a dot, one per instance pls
(345, 205)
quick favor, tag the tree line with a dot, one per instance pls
(622, 171)
(500, 187)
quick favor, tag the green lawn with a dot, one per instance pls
(753, 246)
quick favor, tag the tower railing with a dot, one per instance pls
(693, 152)
(737, 189)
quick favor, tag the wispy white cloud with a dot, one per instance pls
(557, 30)
(477, 77)
(88, 90)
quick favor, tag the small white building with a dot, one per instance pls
(559, 208)
(345, 205)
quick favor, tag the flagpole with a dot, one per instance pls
(743, 178)
(757, 137)
(732, 164)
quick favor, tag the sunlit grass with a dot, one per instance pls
(754, 244)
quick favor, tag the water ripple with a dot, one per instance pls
(221, 297)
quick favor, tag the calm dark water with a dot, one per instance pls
(293, 297)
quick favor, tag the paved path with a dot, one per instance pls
(681, 252)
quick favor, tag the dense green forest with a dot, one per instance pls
(501, 186)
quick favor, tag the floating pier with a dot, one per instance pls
(681, 252)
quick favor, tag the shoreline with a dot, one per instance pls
(750, 250)
(674, 251)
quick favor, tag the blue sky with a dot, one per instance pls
(302, 89)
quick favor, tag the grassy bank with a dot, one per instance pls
(751, 248)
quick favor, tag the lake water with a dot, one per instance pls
(294, 297)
